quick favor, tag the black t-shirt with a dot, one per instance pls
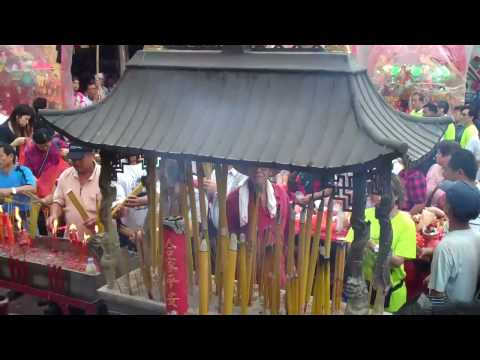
(6, 135)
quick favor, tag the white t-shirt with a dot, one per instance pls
(456, 264)
(126, 182)
(234, 179)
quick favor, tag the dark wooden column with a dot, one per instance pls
(109, 240)
(355, 288)
(381, 281)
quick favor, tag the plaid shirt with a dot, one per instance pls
(415, 186)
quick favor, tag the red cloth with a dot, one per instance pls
(48, 178)
(264, 221)
(415, 185)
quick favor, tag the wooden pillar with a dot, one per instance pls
(109, 241)
(381, 280)
(355, 288)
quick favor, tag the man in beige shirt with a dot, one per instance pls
(83, 180)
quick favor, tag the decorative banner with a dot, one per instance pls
(438, 71)
(175, 272)
(31, 71)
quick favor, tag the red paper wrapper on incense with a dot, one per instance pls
(175, 272)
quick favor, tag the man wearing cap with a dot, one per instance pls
(463, 167)
(456, 260)
(83, 180)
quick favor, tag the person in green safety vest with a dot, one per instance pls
(464, 130)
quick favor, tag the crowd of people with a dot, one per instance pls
(36, 160)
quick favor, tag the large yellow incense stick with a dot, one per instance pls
(335, 281)
(101, 228)
(301, 260)
(308, 237)
(229, 283)
(290, 258)
(78, 205)
(152, 213)
(341, 258)
(34, 212)
(252, 240)
(188, 238)
(221, 172)
(135, 192)
(204, 277)
(243, 275)
(312, 264)
(277, 264)
(317, 295)
(204, 217)
(193, 212)
(328, 243)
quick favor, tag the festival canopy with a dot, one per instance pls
(278, 109)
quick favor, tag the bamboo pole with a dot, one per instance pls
(229, 284)
(194, 215)
(204, 278)
(301, 260)
(243, 281)
(315, 249)
(290, 258)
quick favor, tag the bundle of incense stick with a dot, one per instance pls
(146, 274)
(135, 192)
(78, 205)
(308, 237)
(34, 213)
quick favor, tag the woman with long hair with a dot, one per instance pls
(18, 127)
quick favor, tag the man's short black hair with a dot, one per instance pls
(432, 107)
(462, 108)
(442, 104)
(448, 147)
(41, 136)
(8, 150)
(464, 160)
(458, 108)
